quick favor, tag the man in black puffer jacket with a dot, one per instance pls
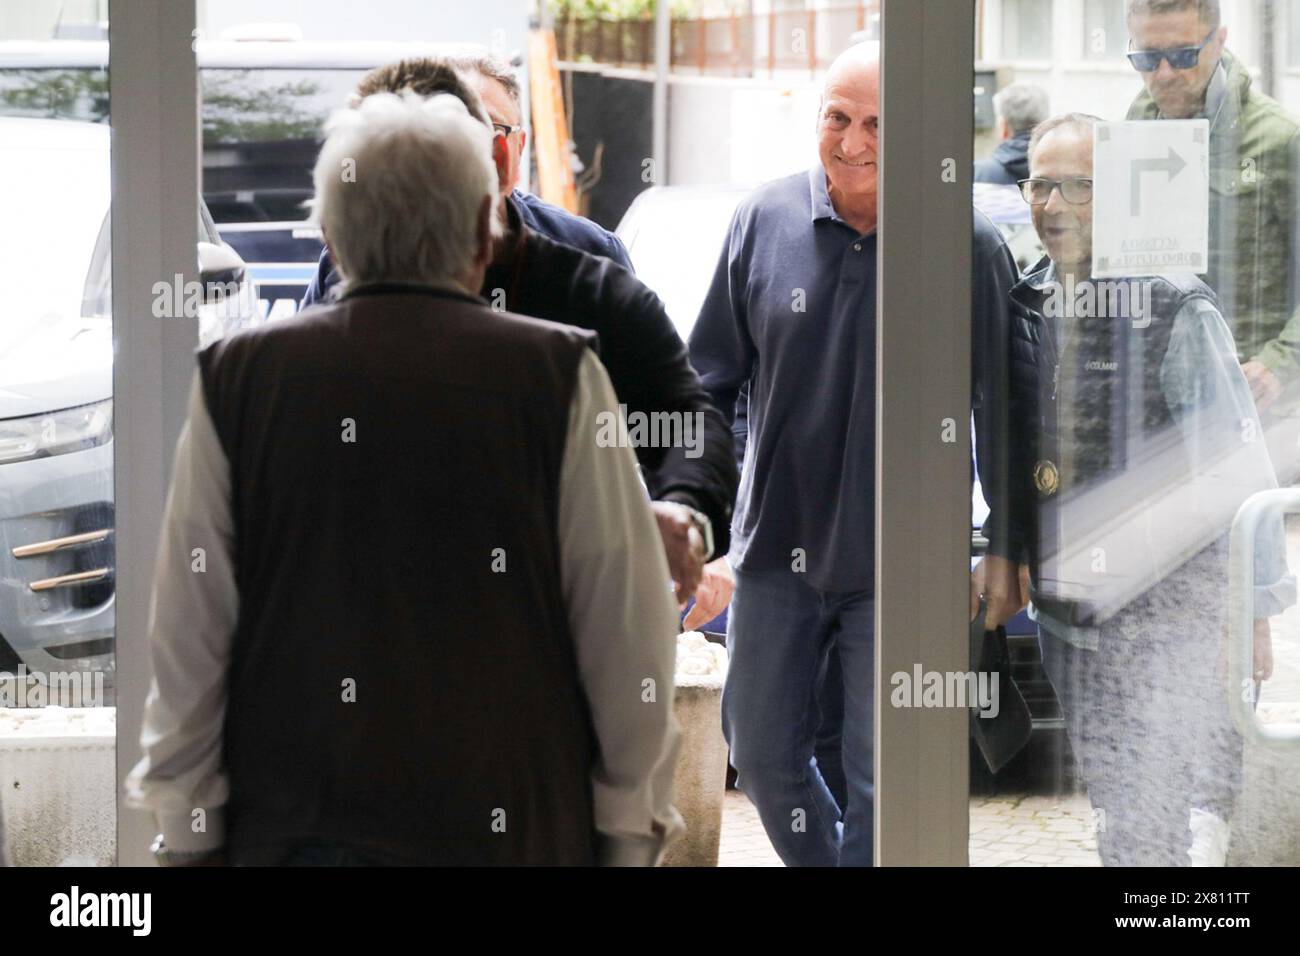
(1135, 440)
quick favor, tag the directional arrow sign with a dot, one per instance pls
(1150, 198)
(1172, 165)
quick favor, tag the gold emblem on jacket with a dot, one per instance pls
(1046, 478)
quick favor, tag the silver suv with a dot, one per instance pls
(56, 388)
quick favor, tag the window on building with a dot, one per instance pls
(1027, 29)
(1293, 33)
(1105, 35)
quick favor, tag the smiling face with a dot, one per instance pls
(1180, 94)
(848, 130)
(1064, 228)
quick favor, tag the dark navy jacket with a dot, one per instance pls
(570, 230)
(993, 275)
(1009, 163)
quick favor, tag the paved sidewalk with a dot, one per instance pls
(1032, 831)
(1005, 831)
(744, 842)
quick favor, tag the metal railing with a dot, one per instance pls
(740, 45)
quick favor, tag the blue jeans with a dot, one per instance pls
(779, 634)
(828, 751)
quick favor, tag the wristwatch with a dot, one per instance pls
(705, 527)
(166, 857)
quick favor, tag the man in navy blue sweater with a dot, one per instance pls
(791, 314)
(790, 320)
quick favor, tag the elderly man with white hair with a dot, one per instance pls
(406, 608)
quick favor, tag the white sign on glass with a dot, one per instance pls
(1150, 198)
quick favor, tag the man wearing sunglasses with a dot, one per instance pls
(1178, 48)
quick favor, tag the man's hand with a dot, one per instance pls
(713, 594)
(1265, 387)
(684, 546)
(999, 580)
(1262, 662)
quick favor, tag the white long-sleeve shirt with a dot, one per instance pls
(620, 610)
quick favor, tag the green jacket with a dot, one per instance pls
(1254, 218)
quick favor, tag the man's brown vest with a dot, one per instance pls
(403, 680)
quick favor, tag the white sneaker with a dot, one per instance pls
(1210, 836)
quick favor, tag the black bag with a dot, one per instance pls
(1000, 737)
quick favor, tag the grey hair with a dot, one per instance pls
(420, 171)
(1022, 105)
(1082, 121)
(494, 68)
(1206, 10)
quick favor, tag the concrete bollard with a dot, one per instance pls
(58, 786)
(700, 780)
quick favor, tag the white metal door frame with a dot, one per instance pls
(152, 84)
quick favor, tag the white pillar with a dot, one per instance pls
(152, 86)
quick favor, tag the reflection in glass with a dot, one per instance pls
(1143, 411)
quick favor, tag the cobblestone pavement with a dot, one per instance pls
(1005, 831)
(1032, 831)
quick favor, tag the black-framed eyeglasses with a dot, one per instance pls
(505, 129)
(1075, 190)
(1179, 57)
